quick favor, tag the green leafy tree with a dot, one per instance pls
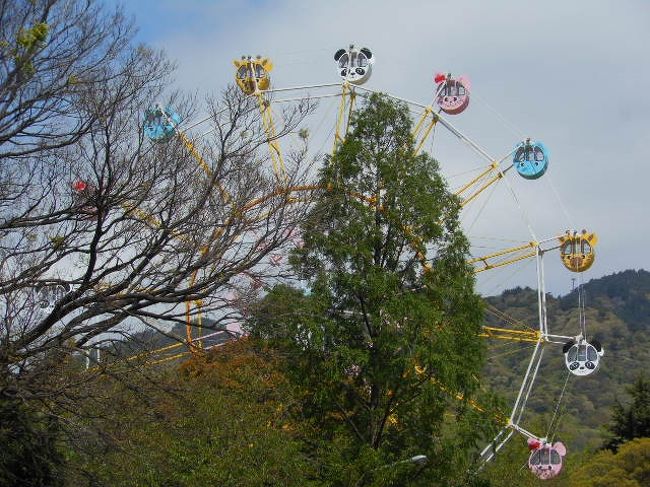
(222, 421)
(386, 336)
(632, 421)
(628, 467)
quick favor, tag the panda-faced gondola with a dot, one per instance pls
(582, 358)
(47, 295)
(354, 65)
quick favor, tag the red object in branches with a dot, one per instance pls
(439, 78)
(79, 186)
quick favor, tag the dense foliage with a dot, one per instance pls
(631, 421)
(31, 453)
(628, 467)
(385, 334)
(195, 426)
(221, 420)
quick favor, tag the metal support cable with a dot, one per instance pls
(552, 427)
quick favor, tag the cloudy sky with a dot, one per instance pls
(574, 74)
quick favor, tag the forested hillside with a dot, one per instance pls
(617, 314)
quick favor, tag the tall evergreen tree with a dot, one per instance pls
(385, 337)
(632, 421)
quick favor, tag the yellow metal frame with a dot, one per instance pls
(530, 336)
(473, 188)
(344, 114)
(504, 257)
(467, 193)
(202, 164)
(271, 136)
(421, 130)
(500, 418)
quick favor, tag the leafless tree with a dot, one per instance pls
(123, 230)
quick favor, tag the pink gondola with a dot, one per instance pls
(453, 93)
(545, 460)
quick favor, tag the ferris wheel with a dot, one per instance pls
(526, 160)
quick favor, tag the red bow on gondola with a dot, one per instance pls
(439, 77)
(534, 444)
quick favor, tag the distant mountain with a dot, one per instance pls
(617, 313)
(625, 293)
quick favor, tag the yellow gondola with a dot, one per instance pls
(253, 73)
(577, 250)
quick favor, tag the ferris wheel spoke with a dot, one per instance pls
(510, 335)
(527, 384)
(346, 106)
(489, 452)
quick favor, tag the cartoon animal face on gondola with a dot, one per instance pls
(530, 159)
(582, 358)
(160, 123)
(577, 250)
(253, 73)
(545, 460)
(452, 93)
(354, 65)
(48, 295)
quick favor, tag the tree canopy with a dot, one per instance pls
(385, 335)
(633, 420)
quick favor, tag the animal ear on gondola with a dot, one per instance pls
(567, 346)
(560, 448)
(465, 82)
(367, 52)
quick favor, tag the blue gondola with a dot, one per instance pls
(531, 159)
(160, 123)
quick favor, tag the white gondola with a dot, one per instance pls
(582, 358)
(354, 65)
(48, 295)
